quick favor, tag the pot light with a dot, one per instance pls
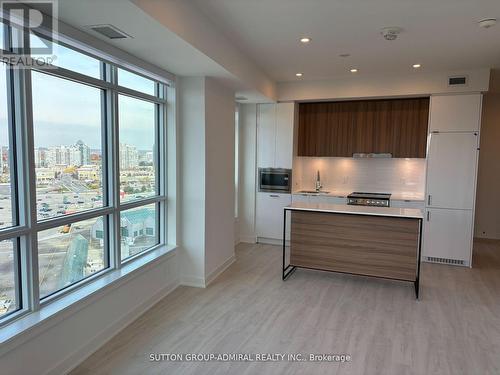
(416, 66)
(298, 74)
(305, 39)
(354, 70)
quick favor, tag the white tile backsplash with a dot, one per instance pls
(396, 176)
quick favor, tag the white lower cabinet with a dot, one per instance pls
(300, 198)
(269, 218)
(328, 199)
(408, 204)
(448, 235)
(309, 198)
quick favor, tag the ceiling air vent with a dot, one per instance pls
(457, 81)
(110, 31)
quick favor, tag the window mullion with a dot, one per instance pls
(27, 187)
(161, 142)
(113, 168)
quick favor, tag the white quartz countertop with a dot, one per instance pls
(412, 213)
(343, 194)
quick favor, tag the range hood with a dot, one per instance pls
(360, 155)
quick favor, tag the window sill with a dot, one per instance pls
(33, 323)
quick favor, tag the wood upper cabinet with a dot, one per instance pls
(395, 126)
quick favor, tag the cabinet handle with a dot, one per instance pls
(274, 196)
(428, 215)
(429, 199)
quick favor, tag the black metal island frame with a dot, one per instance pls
(384, 242)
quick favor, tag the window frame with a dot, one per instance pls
(25, 232)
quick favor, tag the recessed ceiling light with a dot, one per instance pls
(416, 66)
(298, 74)
(305, 39)
(354, 70)
(487, 23)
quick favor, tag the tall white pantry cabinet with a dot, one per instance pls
(274, 150)
(451, 178)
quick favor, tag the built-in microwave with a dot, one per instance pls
(277, 180)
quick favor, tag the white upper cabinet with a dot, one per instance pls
(266, 135)
(455, 113)
(451, 170)
(275, 135)
(284, 135)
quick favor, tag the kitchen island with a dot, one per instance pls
(371, 241)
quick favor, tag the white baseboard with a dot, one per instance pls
(272, 241)
(215, 273)
(81, 354)
(193, 281)
(199, 282)
(248, 239)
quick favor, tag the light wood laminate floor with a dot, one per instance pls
(453, 329)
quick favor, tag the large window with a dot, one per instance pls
(138, 156)
(9, 277)
(139, 228)
(70, 253)
(70, 59)
(6, 206)
(68, 141)
(136, 82)
(82, 176)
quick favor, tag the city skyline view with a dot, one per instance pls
(68, 159)
(69, 122)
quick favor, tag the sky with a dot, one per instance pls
(65, 112)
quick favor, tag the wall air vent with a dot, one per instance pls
(457, 262)
(457, 81)
(110, 31)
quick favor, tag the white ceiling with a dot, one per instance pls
(439, 34)
(151, 41)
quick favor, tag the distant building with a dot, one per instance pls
(44, 176)
(40, 157)
(146, 157)
(129, 157)
(76, 155)
(133, 224)
(90, 172)
(79, 154)
(4, 159)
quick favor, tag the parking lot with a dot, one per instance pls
(53, 243)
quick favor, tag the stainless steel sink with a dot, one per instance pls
(313, 192)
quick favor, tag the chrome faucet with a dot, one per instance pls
(318, 182)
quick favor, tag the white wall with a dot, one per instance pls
(361, 86)
(247, 168)
(487, 217)
(219, 177)
(345, 175)
(62, 342)
(191, 98)
(206, 142)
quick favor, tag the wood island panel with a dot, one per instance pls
(359, 244)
